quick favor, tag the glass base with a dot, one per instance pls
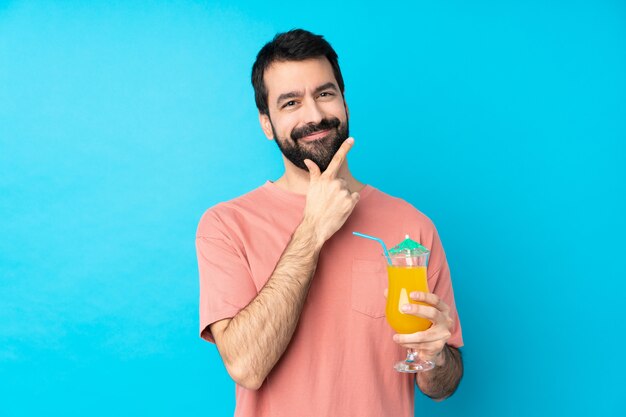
(412, 367)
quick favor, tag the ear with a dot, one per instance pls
(347, 109)
(266, 125)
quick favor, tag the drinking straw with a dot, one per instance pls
(377, 239)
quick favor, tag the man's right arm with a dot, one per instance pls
(253, 341)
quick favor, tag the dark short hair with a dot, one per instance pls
(295, 45)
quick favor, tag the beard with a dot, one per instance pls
(320, 151)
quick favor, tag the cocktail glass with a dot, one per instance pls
(407, 273)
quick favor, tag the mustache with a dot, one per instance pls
(324, 124)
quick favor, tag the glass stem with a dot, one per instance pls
(411, 355)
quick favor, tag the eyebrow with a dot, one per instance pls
(327, 86)
(296, 94)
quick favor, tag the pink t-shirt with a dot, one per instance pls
(340, 359)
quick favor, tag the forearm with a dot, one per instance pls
(441, 382)
(258, 335)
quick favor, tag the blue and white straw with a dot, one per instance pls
(377, 239)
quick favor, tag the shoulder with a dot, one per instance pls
(218, 218)
(399, 209)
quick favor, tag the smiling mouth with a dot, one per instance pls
(315, 136)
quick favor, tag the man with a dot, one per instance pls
(295, 302)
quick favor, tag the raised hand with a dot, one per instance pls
(329, 201)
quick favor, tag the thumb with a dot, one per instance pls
(314, 170)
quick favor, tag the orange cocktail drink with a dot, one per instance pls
(402, 281)
(407, 264)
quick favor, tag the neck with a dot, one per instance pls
(296, 180)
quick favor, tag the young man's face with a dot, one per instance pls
(307, 113)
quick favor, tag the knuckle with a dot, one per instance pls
(420, 296)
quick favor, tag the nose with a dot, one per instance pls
(312, 113)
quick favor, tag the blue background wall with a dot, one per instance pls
(121, 122)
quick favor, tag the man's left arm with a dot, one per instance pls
(440, 382)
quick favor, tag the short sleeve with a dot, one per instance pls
(226, 286)
(440, 283)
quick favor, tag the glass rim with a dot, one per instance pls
(404, 255)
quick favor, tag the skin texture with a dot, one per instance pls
(302, 94)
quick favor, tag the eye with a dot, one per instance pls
(326, 94)
(289, 104)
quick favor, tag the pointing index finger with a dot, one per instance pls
(339, 157)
